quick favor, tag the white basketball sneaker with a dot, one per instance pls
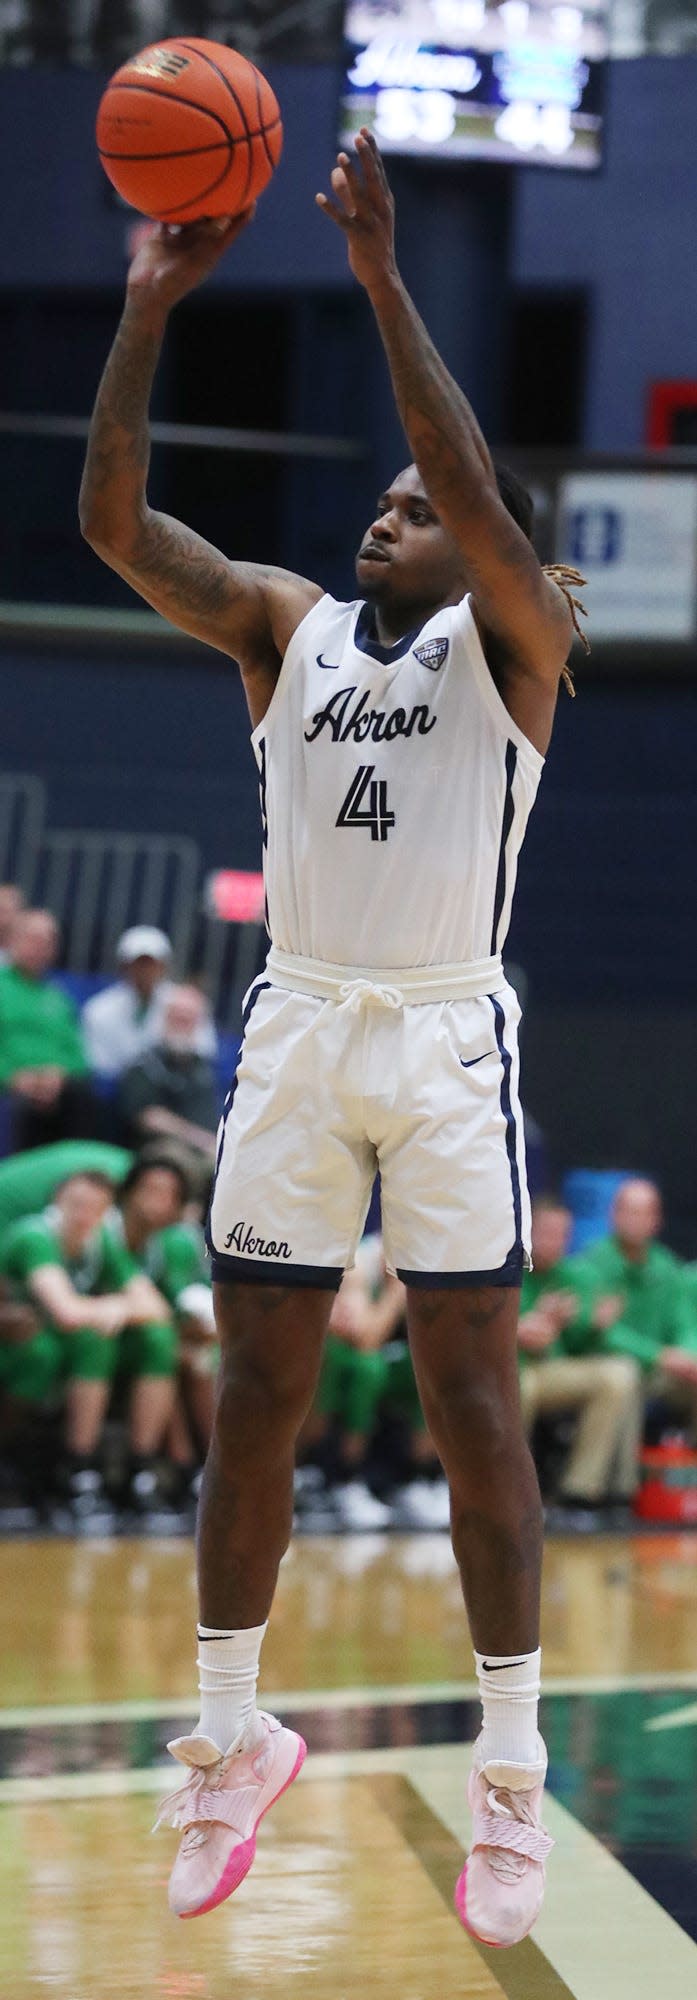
(499, 1893)
(219, 1808)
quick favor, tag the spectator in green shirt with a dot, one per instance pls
(648, 1309)
(86, 1289)
(558, 1306)
(42, 1060)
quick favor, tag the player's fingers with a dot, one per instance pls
(330, 208)
(344, 190)
(371, 157)
(349, 165)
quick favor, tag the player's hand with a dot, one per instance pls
(678, 1361)
(363, 207)
(172, 260)
(109, 1315)
(536, 1332)
(606, 1311)
(561, 1307)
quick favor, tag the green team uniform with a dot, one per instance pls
(354, 1383)
(33, 1368)
(659, 1309)
(28, 1180)
(39, 1026)
(174, 1258)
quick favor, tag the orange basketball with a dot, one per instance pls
(189, 128)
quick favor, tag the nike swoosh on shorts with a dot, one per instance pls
(475, 1059)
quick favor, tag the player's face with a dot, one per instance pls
(157, 1198)
(81, 1205)
(637, 1214)
(406, 555)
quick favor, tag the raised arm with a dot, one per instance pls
(523, 616)
(245, 609)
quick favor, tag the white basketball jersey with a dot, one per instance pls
(395, 793)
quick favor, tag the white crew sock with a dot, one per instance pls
(228, 1664)
(510, 1689)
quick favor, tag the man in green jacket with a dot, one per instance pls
(563, 1370)
(42, 1060)
(649, 1310)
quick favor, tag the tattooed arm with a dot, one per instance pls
(245, 609)
(523, 617)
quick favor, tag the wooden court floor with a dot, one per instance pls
(351, 1892)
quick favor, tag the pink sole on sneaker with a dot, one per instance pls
(242, 1857)
(461, 1907)
(494, 1944)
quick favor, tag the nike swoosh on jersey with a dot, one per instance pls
(332, 666)
(475, 1059)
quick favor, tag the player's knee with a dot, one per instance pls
(476, 1417)
(621, 1377)
(153, 1349)
(262, 1393)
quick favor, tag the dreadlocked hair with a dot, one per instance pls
(564, 577)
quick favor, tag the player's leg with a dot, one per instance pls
(422, 1499)
(240, 1759)
(361, 1378)
(292, 1184)
(465, 1358)
(89, 1364)
(271, 1345)
(464, 1350)
(148, 1357)
(30, 1371)
(605, 1391)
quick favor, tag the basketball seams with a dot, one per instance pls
(192, 51)
(203, 109)
(260, 110)
(185, 152)
(179, 206)
(182, 152)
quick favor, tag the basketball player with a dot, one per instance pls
(400, 741)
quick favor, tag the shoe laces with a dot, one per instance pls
(504, 1862)
(202, 1777)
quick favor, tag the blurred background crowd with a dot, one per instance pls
(108, 1351)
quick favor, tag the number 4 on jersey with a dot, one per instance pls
(355, 811)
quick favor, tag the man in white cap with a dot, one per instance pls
(124, 1020)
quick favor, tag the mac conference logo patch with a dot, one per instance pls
(432, 653)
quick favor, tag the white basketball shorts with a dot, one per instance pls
(327, 1092)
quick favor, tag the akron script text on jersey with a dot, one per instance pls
(346, 723)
